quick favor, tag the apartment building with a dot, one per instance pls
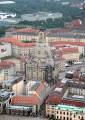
(67, 112)
(7, 70)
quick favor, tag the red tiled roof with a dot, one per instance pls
(57, 99)
(25, 100)
(10, 39)
(6, 64)
(40, 88)
(74, 103)
(68, 43)
(20, 44)
(59, 46)
(17, 42)
(27, 30)
(66, 50)
(54, 99)
(76, 23)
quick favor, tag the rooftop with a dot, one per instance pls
(16, 42)
(27, 30)
(13, 107)
(76, 42)
(3, 93)
(25, 100)
(71, 108)
(66, 50)
(12, 81)
(71, 72)
(35, 86)
(6, 64)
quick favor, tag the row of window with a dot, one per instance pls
(64, 113)
(66, 118)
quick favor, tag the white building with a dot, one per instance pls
(5, 50)
(66, 112)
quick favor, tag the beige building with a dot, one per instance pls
(70, 53)
(23, 49)
(66, 112)
(7, 70)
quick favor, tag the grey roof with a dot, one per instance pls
(12, 81)
(26, 33)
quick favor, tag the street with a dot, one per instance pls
(7, 117)
(72, 67)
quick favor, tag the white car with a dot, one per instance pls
(67, 65)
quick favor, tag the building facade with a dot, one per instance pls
(66, 112)
(7, 70)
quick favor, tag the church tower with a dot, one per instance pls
(42, 50)
(42, 37)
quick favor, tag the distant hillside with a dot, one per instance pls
(33, 6)
(30, 6)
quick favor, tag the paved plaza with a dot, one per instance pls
(7, 117)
